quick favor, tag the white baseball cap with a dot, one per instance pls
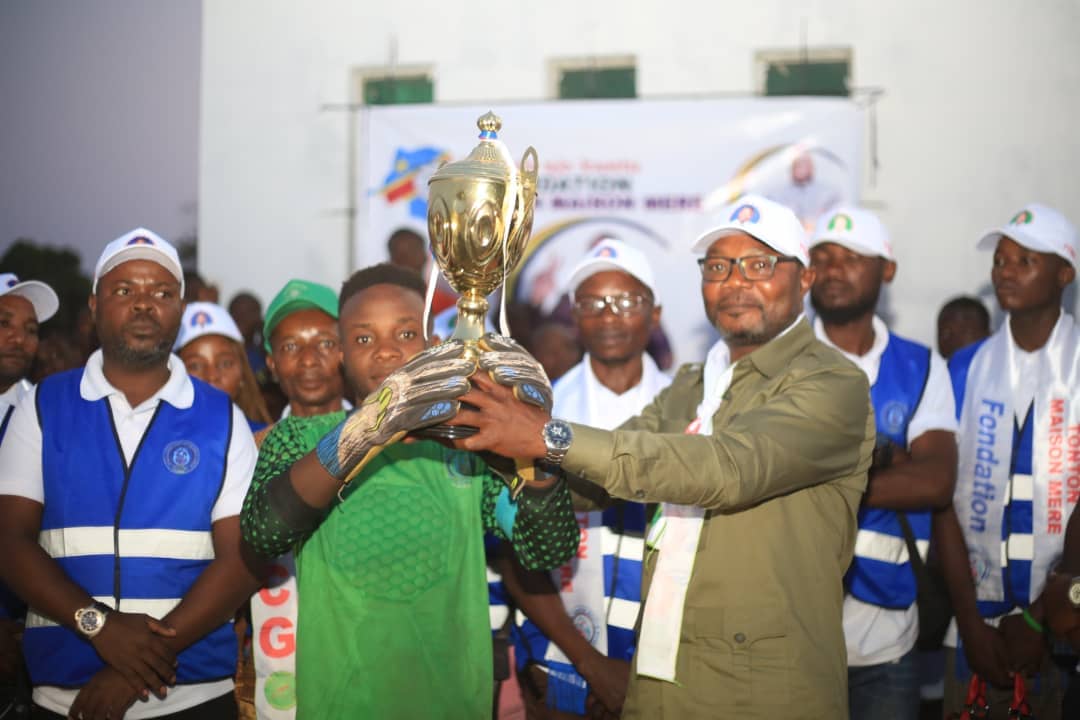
(139, 244)
(1040, 228)
(203, 318)
(763, 219)
(855, 228)
(40, 295)
(612, 254)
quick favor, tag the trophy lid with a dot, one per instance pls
(490, 159)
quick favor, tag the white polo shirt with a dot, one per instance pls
(12, 395)
(20, 456)
(874, 634)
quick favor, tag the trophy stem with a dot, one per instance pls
(472, 309)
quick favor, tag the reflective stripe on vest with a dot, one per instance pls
(881, 571)
(135, 538)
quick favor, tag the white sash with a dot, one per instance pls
(581, 581)
(985, 452)
(676, 535)
(581, 586)
(274, 612)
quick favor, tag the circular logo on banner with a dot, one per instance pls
(181, 457)
(280, 690)
(893, 417)
(585, 623)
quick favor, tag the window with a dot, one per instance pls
(805, 72)
(614, 77)
(398, 90)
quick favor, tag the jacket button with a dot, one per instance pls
(639, 494)
(740, 638)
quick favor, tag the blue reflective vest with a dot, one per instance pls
(134, 537)
(896, 394)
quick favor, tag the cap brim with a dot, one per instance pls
(40, 295)
(852, 246)
(142, 252)
(596, 265)
(295, 305)
(990, 240)
(701, 245)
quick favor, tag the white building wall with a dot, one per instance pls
(977, 118)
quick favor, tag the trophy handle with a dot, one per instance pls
(530, 166)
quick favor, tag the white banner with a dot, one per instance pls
(649, 172)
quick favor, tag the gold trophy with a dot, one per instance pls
(480, 215)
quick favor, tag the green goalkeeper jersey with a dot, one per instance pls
(393, 619)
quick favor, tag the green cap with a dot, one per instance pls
(298, 295)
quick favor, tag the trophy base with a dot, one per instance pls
(445, 432)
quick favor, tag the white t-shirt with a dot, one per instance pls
(20, 456)
(874, 634)
(1023, 377)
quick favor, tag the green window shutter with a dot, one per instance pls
(809, 78)
(399, 90)
(615, 82)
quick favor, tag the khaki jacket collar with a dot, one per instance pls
(775, 355)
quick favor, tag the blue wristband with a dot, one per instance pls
(327, 450)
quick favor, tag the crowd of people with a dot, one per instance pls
(556, 527)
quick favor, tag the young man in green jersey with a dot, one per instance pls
(392, 583)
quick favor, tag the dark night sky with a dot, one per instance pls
(99, 111)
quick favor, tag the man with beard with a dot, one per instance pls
(914, 466)
(759, 457)
(23, 307)
(615, 308)
(119, 506)
(1018, 405)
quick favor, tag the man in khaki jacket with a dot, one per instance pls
(759, 457)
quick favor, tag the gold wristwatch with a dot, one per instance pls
(1073, 592)
(91, 619)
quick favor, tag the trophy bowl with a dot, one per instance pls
(480, 214)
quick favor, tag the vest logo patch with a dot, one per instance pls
(181, 457)
(585, 623)
(893, 417)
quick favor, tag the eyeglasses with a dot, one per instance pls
(625, 304)
(752, 267)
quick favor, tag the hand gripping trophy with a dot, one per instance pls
(480, 212)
